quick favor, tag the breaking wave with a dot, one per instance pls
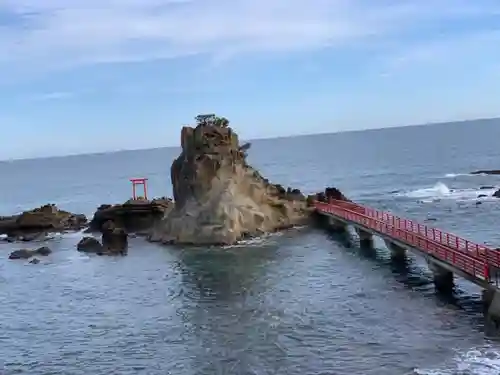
(441, 191)
(480, 361)
(453, 175)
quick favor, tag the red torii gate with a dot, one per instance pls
(137, 182)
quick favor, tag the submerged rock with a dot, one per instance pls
(219, 198)
(133, 215)
(26, 253)
(36, 223)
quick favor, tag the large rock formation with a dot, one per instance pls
(34, 223)
(133, 215)
(219, 198)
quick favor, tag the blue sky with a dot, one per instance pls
(95, 75)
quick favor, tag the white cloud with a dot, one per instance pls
(475, 48)
(56, 95)
(59, 33)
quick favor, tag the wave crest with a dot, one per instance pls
(441, 191)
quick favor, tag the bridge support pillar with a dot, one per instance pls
(443, 279)
(336, 226)
(491, 300)
(365, 238)
(397, 252)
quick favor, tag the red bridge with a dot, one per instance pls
(446, 253)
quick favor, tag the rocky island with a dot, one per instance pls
(39, 222)
(218, 197)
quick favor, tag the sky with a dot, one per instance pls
(82, 76)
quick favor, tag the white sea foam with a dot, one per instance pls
(441, 191)
(265, 239)
(479, 361)
(453, 175)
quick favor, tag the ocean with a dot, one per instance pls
(297, 302)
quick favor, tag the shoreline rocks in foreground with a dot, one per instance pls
(37, 223)
(219, 198)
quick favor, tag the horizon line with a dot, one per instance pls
(253, 139)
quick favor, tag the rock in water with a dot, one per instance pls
(114, 239)
(89, 245)
(133, 215)
(220, 199)
(487, 171)
(34, 223)
(26, 253)
(330, 193)
(21, 254)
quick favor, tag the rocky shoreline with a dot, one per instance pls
(219, 199)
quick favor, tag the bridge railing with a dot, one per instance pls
(430, 240)
(492, 256)
(448, 239)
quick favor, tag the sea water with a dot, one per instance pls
(299, 302)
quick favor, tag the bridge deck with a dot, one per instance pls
(473, 259)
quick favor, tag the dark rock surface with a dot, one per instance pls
(89, 245)
(133, 215)
(487, 171)
(34, 224)
(26, 253)
(114, 239)
(330, 193)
